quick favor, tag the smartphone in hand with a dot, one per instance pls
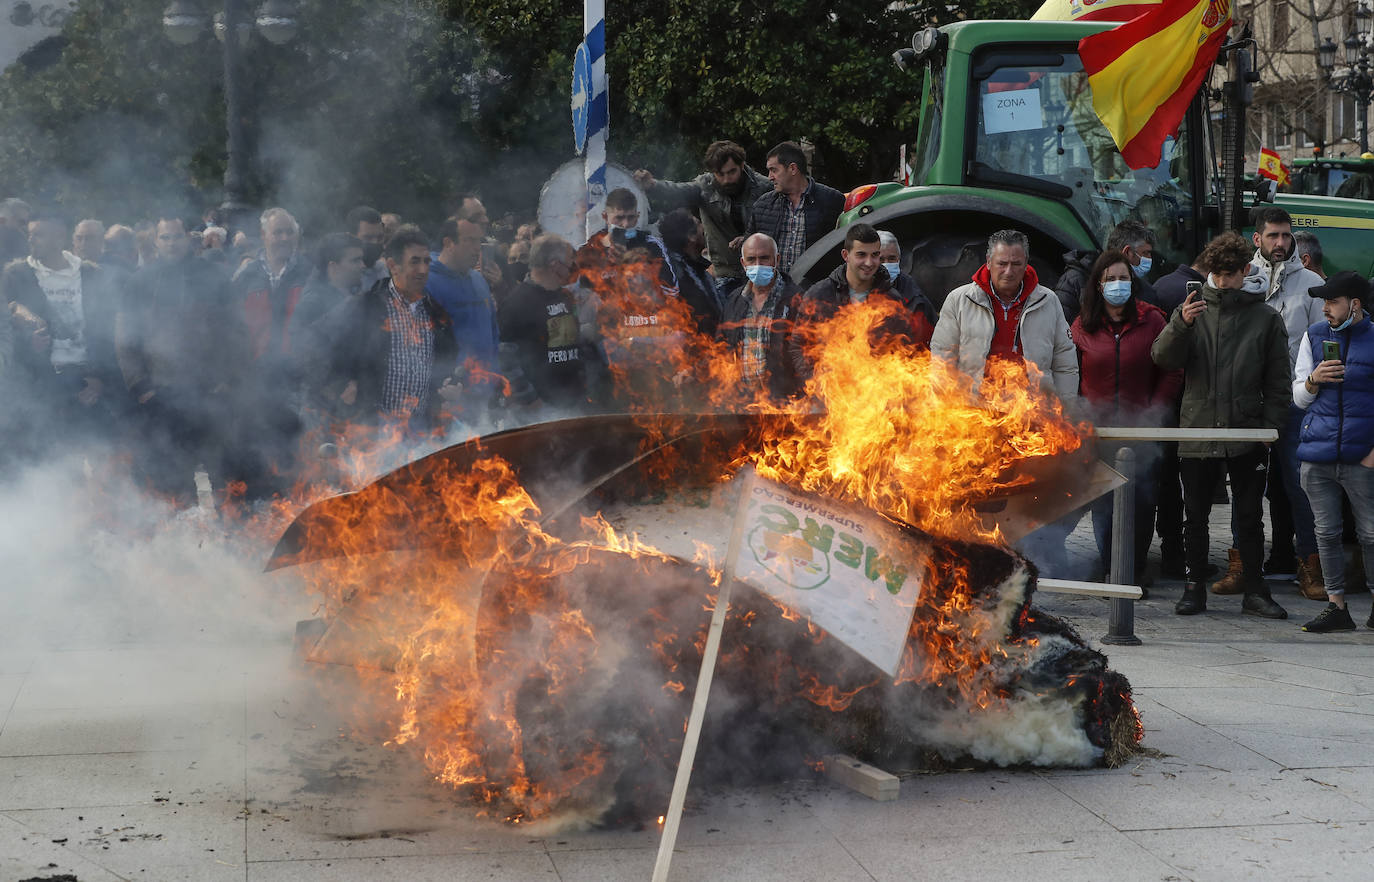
(1331, 350)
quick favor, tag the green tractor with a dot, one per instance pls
(1007, 137)
(1349, 177)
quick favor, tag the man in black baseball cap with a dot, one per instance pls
(1334, 383)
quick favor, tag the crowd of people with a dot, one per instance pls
(238, 350)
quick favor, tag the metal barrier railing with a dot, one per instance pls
(1121, 620)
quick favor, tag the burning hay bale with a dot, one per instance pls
(543, 665)
(527, 612)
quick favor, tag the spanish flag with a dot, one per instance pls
(1102, 10)
(1271, 167)
(1144, 73)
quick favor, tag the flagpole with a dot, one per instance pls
(598, 116)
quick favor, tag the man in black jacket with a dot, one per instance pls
(391, 352)
(179, 343)
(800, 210)
(860, 277)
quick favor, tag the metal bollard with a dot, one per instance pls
(1121, 624)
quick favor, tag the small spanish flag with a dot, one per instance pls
(1102, 10)
(1271, 167)
(1144, 73)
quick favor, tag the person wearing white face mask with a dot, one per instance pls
(1122, 385)
(757, 319)
(1233, 350)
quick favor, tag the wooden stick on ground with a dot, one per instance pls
(673, 818)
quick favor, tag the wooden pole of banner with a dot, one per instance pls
(708, 670)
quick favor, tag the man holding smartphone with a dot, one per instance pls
(1233, 350)
(1334, 383)
(640, 319)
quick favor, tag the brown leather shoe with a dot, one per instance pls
(1234, 580)
(1310, 582)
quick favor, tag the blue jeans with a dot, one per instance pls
(1290, 512)
(1322, 484)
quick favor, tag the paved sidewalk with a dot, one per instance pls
(193, 753)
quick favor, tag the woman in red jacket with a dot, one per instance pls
(1122, 386)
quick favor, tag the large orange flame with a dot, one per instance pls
(881, 423)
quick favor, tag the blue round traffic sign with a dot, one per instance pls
(581, 96)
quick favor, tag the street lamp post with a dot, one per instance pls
(276, 21)
(1356, 79)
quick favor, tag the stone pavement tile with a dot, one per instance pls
(1345, 656)
(16, 661)
(1154, 667)
(1273, 705)
(1281, 851)
(501, 867)
(1305, 747)
(200, 839)
(72, 781)
(327, 828)
(1187, 743)
(823, 860)
(25, 854)
(147, 676)
(763, 816)
(1095, 855)
(48, 731)
(167, 676)
(1355, 782)
(10, 684)
(1311, 675)
(1160, 798)
(1013, 803)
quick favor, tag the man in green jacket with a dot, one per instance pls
(1233, 349)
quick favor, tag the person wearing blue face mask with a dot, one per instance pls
(1136, 242)
(1336, 447)
(1122, 385)
(757, 321)
(903, 285)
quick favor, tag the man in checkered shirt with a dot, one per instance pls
(392, 351)
(757, 322)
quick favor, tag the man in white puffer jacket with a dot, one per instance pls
(1005, 313)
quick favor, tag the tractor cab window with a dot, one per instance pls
(1036, 130)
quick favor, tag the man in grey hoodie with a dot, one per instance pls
(1293, 543)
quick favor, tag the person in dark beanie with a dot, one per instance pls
(1336, 441)
(1227, 324)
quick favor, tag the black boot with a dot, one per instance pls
(1257, 602)
(1193, 601)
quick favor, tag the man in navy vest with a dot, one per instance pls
(1336, 444)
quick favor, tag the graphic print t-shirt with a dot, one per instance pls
(543, 325)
